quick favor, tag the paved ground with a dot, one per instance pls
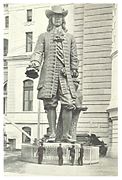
(14, 166)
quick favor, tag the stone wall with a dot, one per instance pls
(93, 33)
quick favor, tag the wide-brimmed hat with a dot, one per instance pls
(56, 10)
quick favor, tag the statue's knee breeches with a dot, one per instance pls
(50, 103)
(67, 101)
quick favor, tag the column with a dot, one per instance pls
(113, 106)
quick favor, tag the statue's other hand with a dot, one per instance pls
(74, 73)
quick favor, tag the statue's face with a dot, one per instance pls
(57, 20)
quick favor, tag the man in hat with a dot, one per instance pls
(40, 152)
(80, 159)
(72, 154)
(60, 155)
(59, 67)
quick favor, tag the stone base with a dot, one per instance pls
(28, 153)
(113, 151)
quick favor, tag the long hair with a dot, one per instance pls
(50, 24)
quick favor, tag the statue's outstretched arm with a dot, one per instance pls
(37, 55)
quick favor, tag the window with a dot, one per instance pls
(6, 5)
(28, 95)
(6, 21)
(5, 99)
(5, 47)
(29, 15)
(26, 139)
(29, 37)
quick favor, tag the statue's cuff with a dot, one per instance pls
(37, 63)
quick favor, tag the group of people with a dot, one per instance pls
(41, 150)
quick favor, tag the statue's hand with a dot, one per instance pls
(74, 73)
(35, 64)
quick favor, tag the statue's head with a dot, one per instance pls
(56, 17)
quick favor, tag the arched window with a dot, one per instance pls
(5, 98)
(26, 139)
(28, 95)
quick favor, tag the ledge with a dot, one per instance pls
(19, 57)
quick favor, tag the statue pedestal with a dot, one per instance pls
(28, 153)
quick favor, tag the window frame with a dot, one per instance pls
(5, 47)
(27, 129)
(29, 15)
(6, 21)
(5, 99)
(29, 100)
(29, 42)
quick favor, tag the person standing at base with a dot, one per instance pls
(80, 159)
(72, 154)
(60, 155)
(40, 152)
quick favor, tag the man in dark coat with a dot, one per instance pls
(40, 152)
(80, 159)
(56, 51)
(60, 155)
(72, 154)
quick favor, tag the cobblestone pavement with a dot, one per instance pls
(13, 166)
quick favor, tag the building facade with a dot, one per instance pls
(91, 24)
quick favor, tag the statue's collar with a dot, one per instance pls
(58, 31)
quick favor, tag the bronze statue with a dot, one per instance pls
(56, 51)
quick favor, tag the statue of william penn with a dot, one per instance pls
(56, 52)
